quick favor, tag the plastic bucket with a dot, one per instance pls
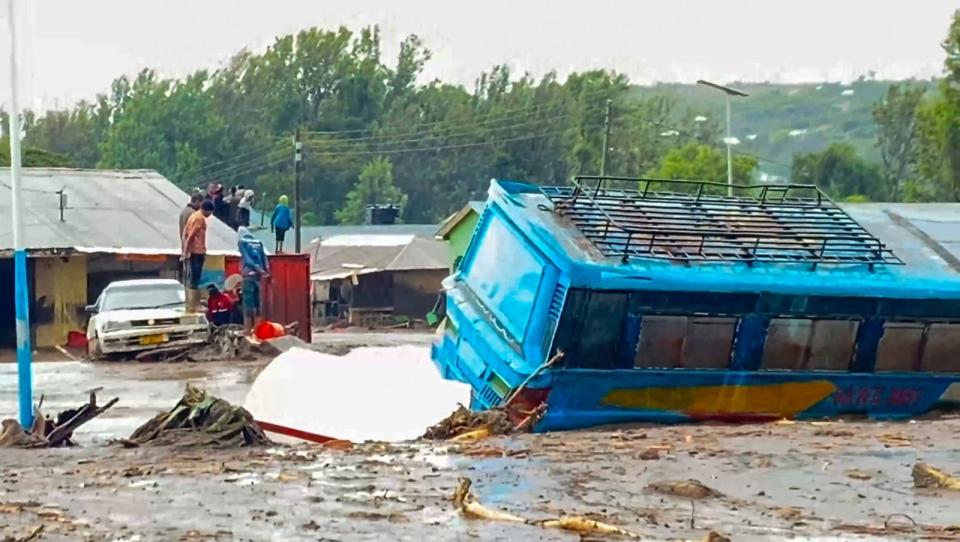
(76, 339)
(269, 330)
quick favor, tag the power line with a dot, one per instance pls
(229, 170)
(446, 147)
(388, 141)
(421, 129)
(551, 104)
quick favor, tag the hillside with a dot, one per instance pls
(778, 120)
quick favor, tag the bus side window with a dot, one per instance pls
(691, 342)
(799, 343)
(900, 345)
(941, 354)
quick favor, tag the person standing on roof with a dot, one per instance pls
(244, 208)
(254, 268)
(221, 207)
(194, 252)
(281, 221)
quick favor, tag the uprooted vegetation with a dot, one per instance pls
(200, 419)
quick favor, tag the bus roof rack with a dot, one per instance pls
(691, 221)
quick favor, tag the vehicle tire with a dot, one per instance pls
(94, 352)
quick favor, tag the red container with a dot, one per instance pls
(286, 296)
(76, 339)
(269, 330)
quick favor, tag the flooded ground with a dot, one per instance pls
(843, 480)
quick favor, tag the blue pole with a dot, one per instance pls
(21, 286)
(24, 352)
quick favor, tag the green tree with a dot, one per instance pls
(841, 173)
(699, 162)
(374, 186)
(896, 117)
(32, 157)
(939, 129)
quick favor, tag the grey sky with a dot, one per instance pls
(73, 49)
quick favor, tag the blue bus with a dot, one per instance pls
(617, 300)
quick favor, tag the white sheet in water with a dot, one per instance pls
(386, 394)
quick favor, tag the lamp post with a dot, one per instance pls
(21, 293)
(728, 92)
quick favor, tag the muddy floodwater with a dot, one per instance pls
(841, 480)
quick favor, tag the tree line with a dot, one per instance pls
(371, 133)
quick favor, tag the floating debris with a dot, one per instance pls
(688, 489)
(199, 419)
(49, 432)
(925, 476)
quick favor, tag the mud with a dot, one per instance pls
(771, 482)
(844, 480)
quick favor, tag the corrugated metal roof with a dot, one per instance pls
(337, 261)
(926, 236)
(131, 211)
(309, 233)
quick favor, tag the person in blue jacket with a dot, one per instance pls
(254, 268)
(281, 221)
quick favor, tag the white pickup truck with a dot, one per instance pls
(136, 315)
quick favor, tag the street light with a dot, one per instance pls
(728, 92)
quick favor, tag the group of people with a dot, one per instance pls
(254, 265)
(233, 209)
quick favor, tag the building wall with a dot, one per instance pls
(459, 237)
(60, 295)
(415, 292)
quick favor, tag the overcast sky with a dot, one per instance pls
(73, 49)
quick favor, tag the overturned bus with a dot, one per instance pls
(618, 300)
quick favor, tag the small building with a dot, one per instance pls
(382, 278)
(86, 228)
(458, 229)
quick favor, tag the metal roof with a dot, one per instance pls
(310, 233)
(337, 260)
(117, 211)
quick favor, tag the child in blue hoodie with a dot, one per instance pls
(281, 221)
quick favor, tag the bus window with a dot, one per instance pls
(590, 328)
(661, 342)
(941, 353)
(900, 345)
(797, 343)
(692, 342)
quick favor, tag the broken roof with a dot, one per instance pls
(342, 256)
(119, 211)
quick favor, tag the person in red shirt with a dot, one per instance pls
(221, 308)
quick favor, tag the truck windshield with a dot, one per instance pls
(143, 297)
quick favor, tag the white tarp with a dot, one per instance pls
(385, 394)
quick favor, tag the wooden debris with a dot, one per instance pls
(688, 489)
(858, 474)
(925, 476)
(48, 433)
(467, 504)
(469, 507)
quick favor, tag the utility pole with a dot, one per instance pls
(298, 171)
(606, 137)
(21, 293)
(729, 151)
